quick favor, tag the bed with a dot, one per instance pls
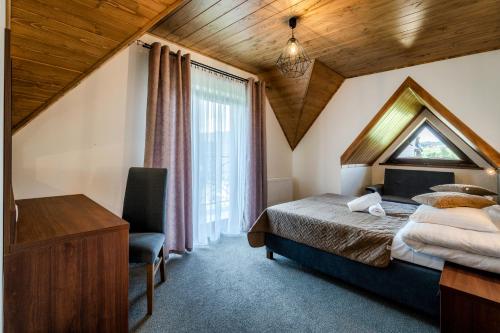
(366, 251)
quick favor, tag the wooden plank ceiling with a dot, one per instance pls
(56, 43)
(298, 102)
(409, 100)
(351, 37)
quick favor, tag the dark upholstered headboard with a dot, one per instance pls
(408, 183)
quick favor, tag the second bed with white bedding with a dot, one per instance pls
(401, 251)
(480, 250)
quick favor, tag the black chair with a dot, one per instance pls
(145, 210)
(401, 185)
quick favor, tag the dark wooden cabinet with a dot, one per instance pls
(470, 300)
(67, 270)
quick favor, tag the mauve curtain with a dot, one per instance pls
(257, 171)
(168, 139)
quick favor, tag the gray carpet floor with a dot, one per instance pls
(230, 287)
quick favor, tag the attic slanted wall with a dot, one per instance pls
(53, 50)
(369, 144)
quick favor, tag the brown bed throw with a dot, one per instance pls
(325, 222)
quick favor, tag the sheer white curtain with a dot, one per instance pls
(220, 144)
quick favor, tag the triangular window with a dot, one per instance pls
(426, 146)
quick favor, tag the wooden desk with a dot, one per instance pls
(470, 300)
(68, 268)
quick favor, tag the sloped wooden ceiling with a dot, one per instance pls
(298, 102)
(351, 37)
(397, 114)
(56, 43)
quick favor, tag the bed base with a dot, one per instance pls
(412, 285)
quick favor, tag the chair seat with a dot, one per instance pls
(144, 247)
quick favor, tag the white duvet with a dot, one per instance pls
(475, 249)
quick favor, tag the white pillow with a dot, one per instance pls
(494, 213)
(458, 217)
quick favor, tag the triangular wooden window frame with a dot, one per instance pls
(486, 151)
(463, 162)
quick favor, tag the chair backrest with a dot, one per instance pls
(408, 183)
(145, 203)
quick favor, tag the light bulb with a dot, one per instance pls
(293, 49)
(491, 171)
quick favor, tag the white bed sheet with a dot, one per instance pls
(480, 250)
(401, 251)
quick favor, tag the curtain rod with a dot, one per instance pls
(199, 64)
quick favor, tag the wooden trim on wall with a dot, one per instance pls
(359, 139)
(442, 166)
(480, 146)
(8, 198)
(460, 128)
(396, 138)
(463, 162)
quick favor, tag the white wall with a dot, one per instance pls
(354, 179)
(279, 153)
(279, 162)
(467, 86)
(87, 140)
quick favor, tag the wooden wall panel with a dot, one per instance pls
(55, 44)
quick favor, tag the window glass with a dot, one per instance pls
(426, 145)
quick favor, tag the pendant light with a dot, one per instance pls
(293, 61)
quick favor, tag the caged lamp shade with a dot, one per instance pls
(293, 60)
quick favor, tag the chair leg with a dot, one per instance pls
(269, 254)
(151, 283)
(162, 264)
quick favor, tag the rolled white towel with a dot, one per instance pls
(376, 210)
(362, 203)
